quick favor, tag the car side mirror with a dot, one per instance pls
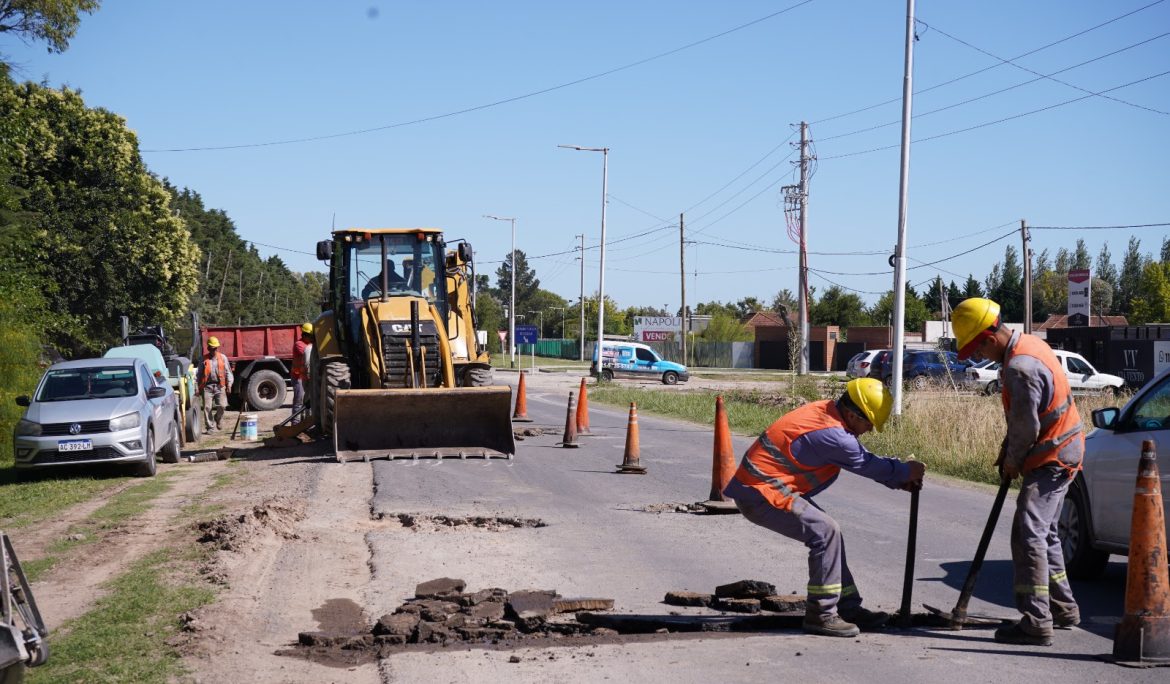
(23, 400)
(156, 393)
(1106, 418)
(324, 250)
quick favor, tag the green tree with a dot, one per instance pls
(713, 308)
(1005, 285)
(784, 299)
(53, 21)
(747, 306)
(490, 317)
(1081, 259)
(726, 328)
(527, 283)
(1129, 281)
(103, 241)
(1152, 303)
(915, 313)
(1106, 271)
(971, 288)
(837, 307)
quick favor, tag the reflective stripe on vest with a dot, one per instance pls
(1060, 423)
(769, 466)
(221, 361)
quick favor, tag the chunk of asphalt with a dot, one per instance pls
(487, 611)
(572, 605)
(529, 609)
(738, 605)
(402, 624)
(493, 594)
(745, 589)
(441, 588)
(792, 603)
(687, 598)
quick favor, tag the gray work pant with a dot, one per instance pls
(1041, 584)
(298, 395)
(830, 584)
(214, 403)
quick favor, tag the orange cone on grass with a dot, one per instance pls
(569, 441)
(1142, 639)
(583, 411)
(520, 415)
(632, 463)
(722, 464)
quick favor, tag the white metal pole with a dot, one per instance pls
(601, 279)
(903, 205)
(512, 310)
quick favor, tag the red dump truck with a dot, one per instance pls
(261, 358)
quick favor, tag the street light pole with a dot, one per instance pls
(562, 309)
(601, 279)
(512, 308)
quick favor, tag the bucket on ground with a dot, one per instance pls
(248, 430)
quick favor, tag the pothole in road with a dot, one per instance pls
(430, 523)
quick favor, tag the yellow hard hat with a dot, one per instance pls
(970, 318)
(307, 328)
(213, 341)
(872, 397)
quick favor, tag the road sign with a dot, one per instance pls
(526, 334)
(503, 335)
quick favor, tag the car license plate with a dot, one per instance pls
(75, 445)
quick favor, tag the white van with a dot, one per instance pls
(636, 360)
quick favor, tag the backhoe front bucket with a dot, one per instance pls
(461, 422)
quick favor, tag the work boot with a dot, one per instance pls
(1014, 634)
(866, 619)
(1066, 620)
(829, 625)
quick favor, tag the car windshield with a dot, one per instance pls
(73, 384)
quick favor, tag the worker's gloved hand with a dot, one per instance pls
(1009, 470)
(917, 472)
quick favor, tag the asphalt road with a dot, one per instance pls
(611, 535)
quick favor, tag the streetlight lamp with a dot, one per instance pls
(601, 279)
(512, 308)
(541, 328)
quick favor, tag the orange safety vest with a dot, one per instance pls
(1060, 423)
(206, 375)
(769, 467)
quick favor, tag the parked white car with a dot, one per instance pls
(861, 363)
(983, 377)
(1098, 509)
(1082, 377)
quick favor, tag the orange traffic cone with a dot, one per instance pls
(631, 463)
(583, 411)
(1143, 636)
(569, 441)
(722, 464)
(520, 415)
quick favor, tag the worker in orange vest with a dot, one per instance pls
(1045, 444)
(799, 456)
(215, 381)
(300, 366)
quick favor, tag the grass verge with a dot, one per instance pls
(120, 508)
(955, 434)
(124, 638)
(25, 502)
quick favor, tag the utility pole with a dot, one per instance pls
(903, 208)
(682, 276)
(1027, 276)
(581, 299)
(219, 300)
(804, 159)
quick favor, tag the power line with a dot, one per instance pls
(496, 103)
(1136, 225)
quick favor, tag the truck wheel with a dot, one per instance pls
(477, 376)
(335, 376)
(194, 426)
(670, 378)
(607, 375)
(265, 390)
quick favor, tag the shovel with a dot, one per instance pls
(958, 617)
(905, 619)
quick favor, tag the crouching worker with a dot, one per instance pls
(799, 456)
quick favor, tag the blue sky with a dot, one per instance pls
(705, 130)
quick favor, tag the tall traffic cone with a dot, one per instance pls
(722, 464)
(631, 463)
(569, 441)
(1142, 639)
(520, 415)
(583, 411)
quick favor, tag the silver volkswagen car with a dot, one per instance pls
(98, 411)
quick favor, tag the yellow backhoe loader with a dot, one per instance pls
(397, 369)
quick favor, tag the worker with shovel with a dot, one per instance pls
(799, 456)
(1045, 443)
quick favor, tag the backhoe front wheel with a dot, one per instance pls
(334, 374)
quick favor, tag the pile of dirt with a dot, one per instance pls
(233, 532)
(443, 614)
(491, 523)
